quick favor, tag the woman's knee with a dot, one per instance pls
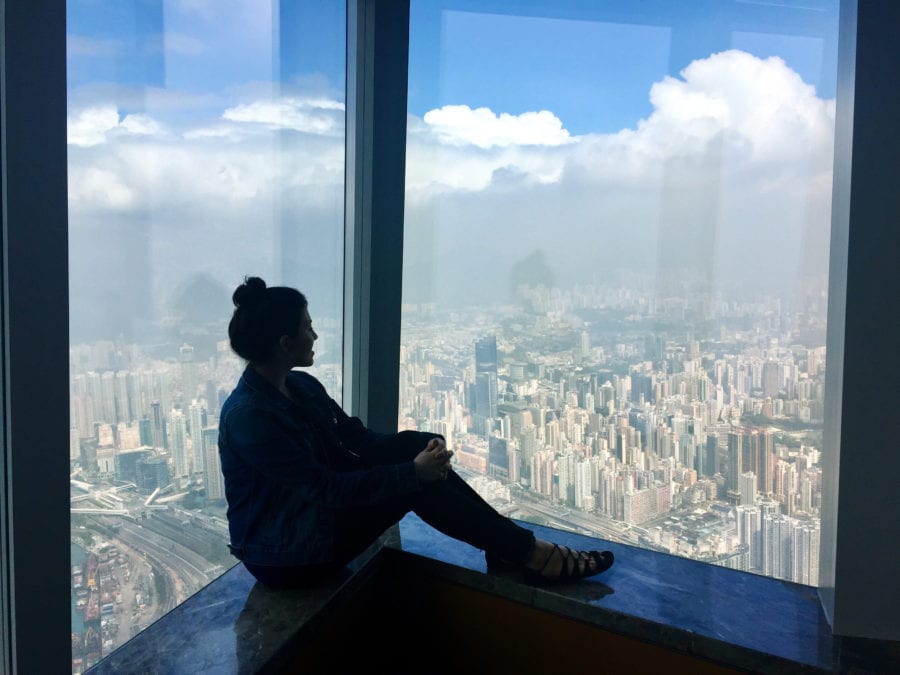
(400, 447)
(413, 442)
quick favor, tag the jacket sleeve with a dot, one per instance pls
(290, 459)
(350, 430)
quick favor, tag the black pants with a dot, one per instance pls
(448, 505)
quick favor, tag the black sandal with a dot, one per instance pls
(580, 567)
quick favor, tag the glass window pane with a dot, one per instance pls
(615, 266)
(205, 143)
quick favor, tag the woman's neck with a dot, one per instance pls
(275, 374)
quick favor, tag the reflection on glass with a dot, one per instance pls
(205, 143)
(616, 266)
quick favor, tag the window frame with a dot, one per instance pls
(35, 487)
(34, 495)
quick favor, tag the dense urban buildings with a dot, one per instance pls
(701, 440)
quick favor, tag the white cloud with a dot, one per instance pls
(96, 125)
(733, 164)
(460, 125)
(89, 127)
(97, 189)
(750, 113)
(315, 116)
(141, 125)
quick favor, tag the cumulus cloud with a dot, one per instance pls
(728, 178)
(734, 160)
(141, 125)
(96, 125)
(89, 127)
(99, 189)
(460, 125)
(315, 116)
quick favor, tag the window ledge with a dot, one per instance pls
(733, 618)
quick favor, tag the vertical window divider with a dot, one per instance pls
(377, 74)
(36, 588)
(858, 584)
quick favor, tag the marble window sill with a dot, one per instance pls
(734, 618)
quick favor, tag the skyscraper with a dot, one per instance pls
(178, 442)
(747, 486)
(188, 372)
(750, 535)
(498, 459)
(198, 422)
(486, 394)
(215, 482)
(777, 546)
(735, 464)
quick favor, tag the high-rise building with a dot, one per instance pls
(123, 389)
(777, 530)
(805, 537)
(735, 464)
(747, 486)
(498, 458)
(771, 378)
(213, 478)
(188, 372)
(146, 431)
(156, 425)
(749, 524)
(197, 421)
(152, 473)
(761, 450)
(178, 443)
(486, 394)
(108, 400)
(126, 463)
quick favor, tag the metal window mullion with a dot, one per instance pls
(377, 61)
(859, 585)
(37, 583)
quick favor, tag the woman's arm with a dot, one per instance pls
(350, 430)
(258, 439)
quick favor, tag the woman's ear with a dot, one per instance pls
(285, 343)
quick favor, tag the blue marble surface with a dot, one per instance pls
(235, 625)
(763, 614)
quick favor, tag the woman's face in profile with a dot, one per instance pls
(304, 340)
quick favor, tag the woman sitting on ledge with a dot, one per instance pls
(310, 488)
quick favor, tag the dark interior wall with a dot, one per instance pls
(408, 622)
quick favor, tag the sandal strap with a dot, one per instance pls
(580, 561)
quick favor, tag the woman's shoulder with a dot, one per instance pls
(307, 383)
(302, 377)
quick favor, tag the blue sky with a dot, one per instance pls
(667, 137)
(591, 63)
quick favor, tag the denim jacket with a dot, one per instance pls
(287, 467)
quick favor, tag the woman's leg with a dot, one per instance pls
(354, 531)
(452, 506)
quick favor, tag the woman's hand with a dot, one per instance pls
(433, 462)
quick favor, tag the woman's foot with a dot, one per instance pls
(552, 563)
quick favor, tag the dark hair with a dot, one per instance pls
(261, 316)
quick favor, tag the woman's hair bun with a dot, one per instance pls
(249, 293)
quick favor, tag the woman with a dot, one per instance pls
(309, 488)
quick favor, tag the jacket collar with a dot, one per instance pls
(263, 387)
